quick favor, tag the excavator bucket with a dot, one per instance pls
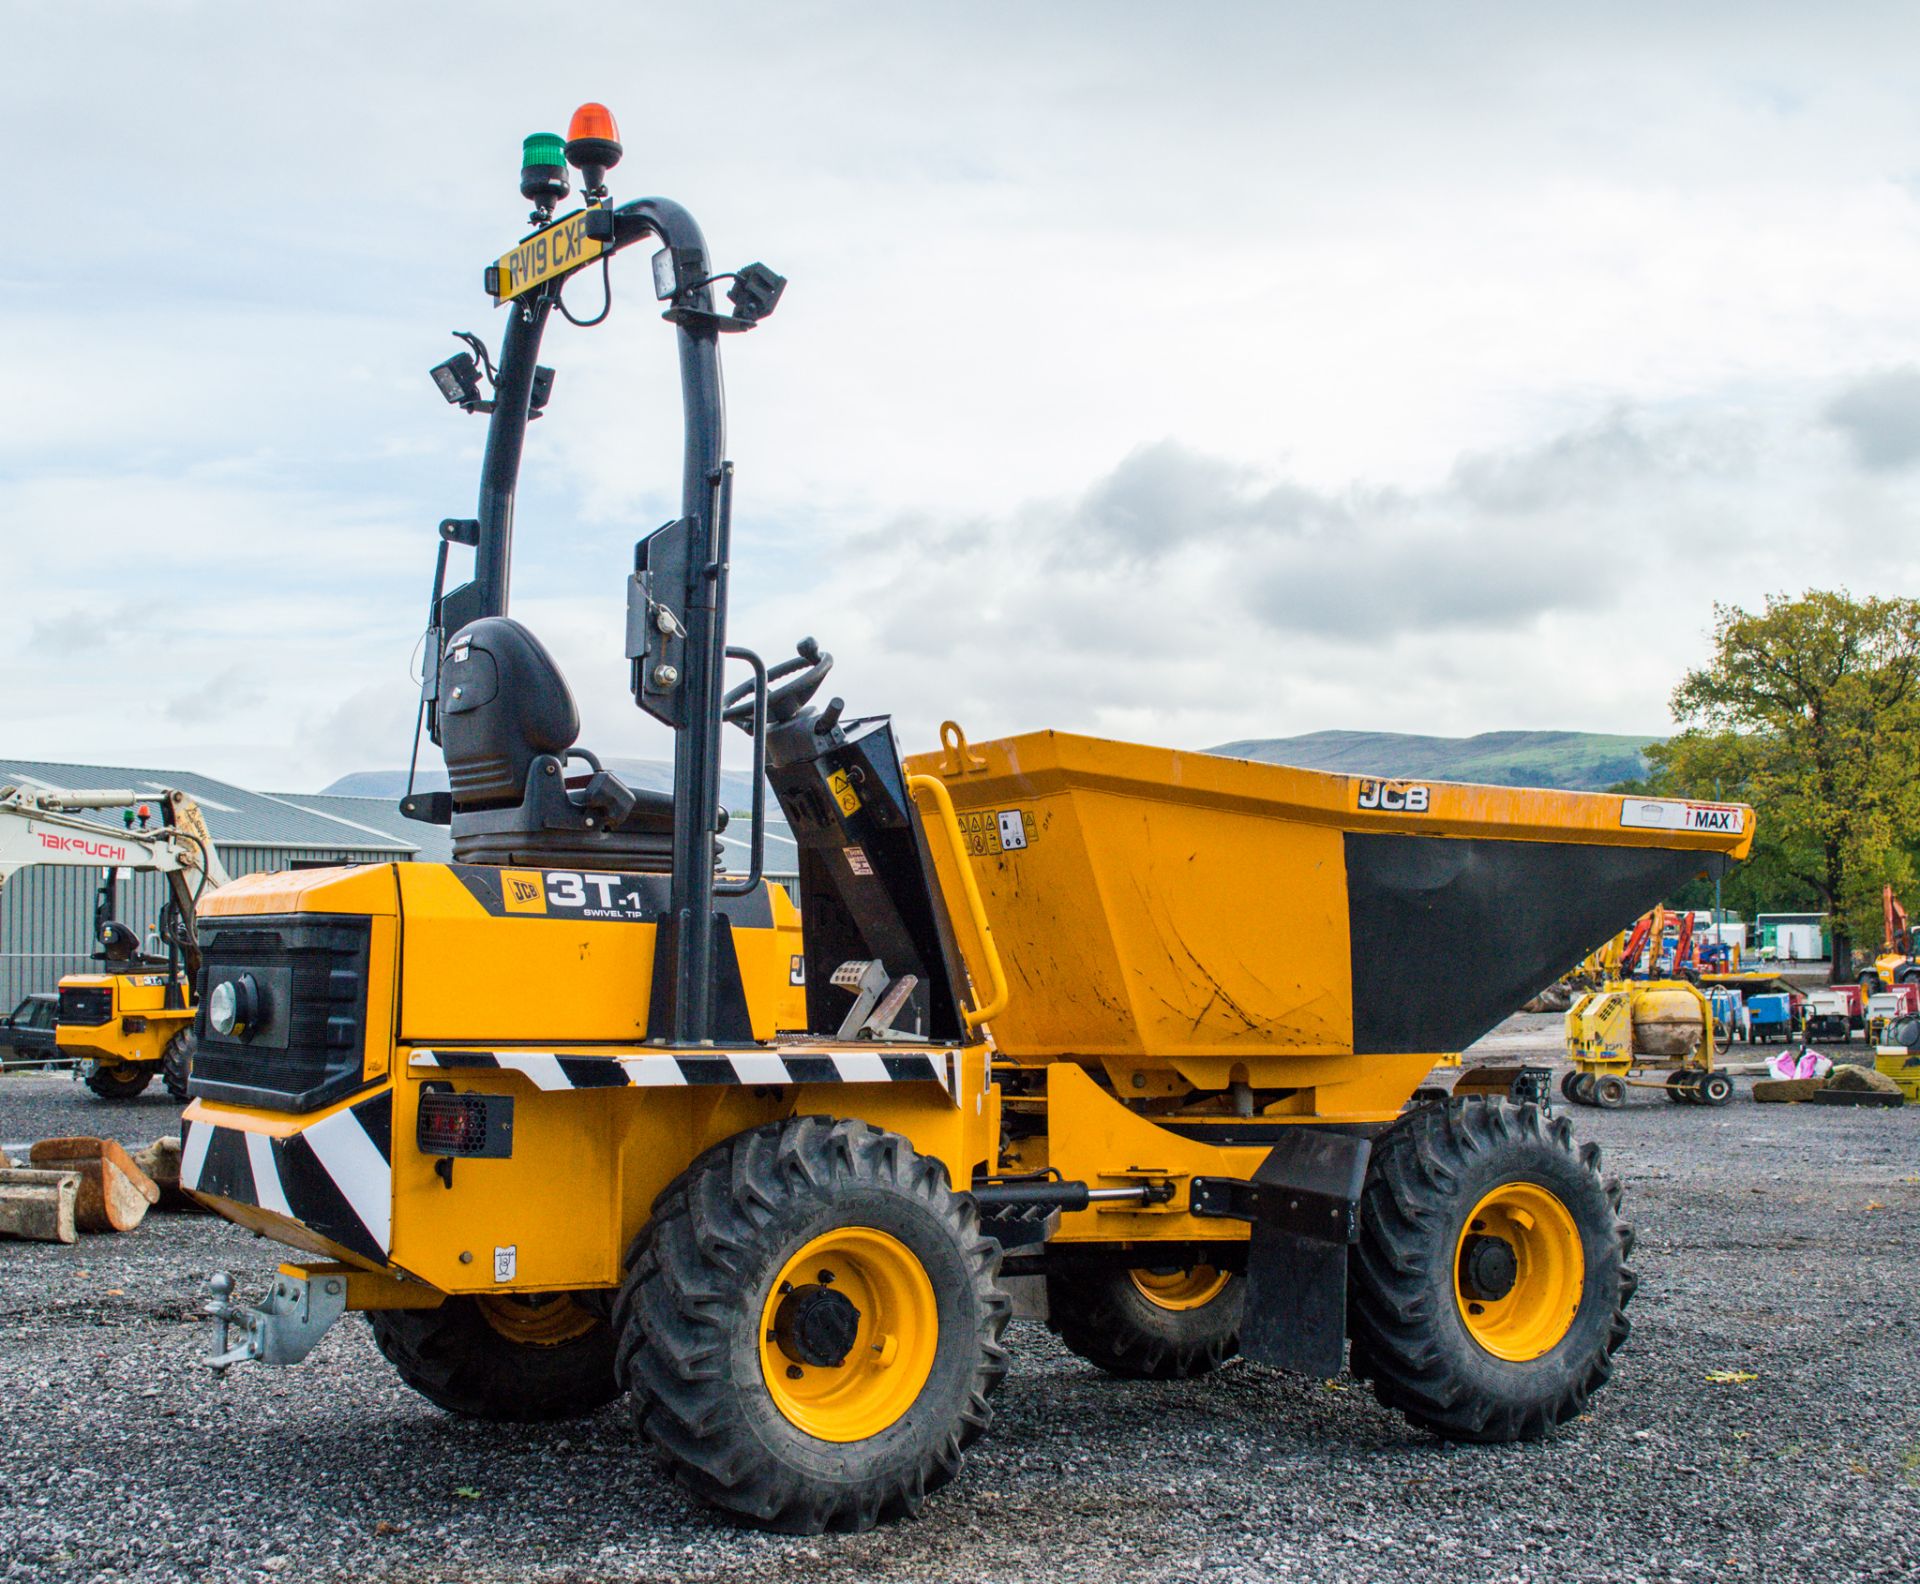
(1150, 903)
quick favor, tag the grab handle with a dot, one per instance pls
(996, 975)
(757, 837)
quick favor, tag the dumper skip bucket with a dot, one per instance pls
(1149, 903)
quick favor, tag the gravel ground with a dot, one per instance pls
(1778, 1242)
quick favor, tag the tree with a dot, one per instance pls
(1810, 711)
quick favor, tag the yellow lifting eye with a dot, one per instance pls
(1519, 1271)
(848, 1334)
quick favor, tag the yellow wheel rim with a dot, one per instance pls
(1547, 1268)
(1180, 1290)
(893, 1340)
(542, 1320)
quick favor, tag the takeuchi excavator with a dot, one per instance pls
(532, 1113)
(134, 1019)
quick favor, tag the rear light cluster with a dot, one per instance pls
(464, 1124)
(89, 1006)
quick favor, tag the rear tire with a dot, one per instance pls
(1608, 1092)
(1145, 1324)
(119, 1080)
(853, 1407)
(520, 1361)
(1442, 1186)
(176, 1063)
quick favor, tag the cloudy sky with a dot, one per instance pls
(1181, 373)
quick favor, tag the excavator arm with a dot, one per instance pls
(1898, 936)
(46, 826)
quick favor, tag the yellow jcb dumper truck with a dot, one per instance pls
(528, 1112)
(133, 1020)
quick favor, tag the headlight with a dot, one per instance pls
(223, 1006)
(235, 1007)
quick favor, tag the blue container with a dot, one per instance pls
(1768, 1015)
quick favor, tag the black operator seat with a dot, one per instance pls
(507, 727)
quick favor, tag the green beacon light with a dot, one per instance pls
(543, 173)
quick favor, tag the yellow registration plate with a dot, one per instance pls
(562, 246)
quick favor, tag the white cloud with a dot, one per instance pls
(1189, 374)
(1879, 414)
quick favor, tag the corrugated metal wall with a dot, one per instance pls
(46, 912)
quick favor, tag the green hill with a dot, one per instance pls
(1578, 761)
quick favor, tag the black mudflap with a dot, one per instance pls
(1304, 1207)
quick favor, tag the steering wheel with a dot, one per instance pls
(799, 679)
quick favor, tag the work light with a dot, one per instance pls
(459, 380)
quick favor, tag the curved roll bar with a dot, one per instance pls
(687, 693)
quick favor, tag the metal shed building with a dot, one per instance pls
(46, 914)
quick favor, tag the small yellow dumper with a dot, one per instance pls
(132, 1021)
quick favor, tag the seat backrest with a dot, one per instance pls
(503, 702)
(118, 944)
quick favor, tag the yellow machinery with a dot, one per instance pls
(533, 1112)
(1639, 1026)
(1621, 1026)
(1895, 963)
(134, 1020)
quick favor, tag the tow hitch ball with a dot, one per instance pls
(282, 1329)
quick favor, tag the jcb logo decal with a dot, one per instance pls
(1393, 797)
(523, 891)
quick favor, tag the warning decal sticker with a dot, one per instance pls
(993, 832)
(1671, 814)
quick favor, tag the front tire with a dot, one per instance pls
(520, 1360)
(810, 1327)
(176, 1063)
(1459, 1205)
(1148, 1323)
(118, 1080)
